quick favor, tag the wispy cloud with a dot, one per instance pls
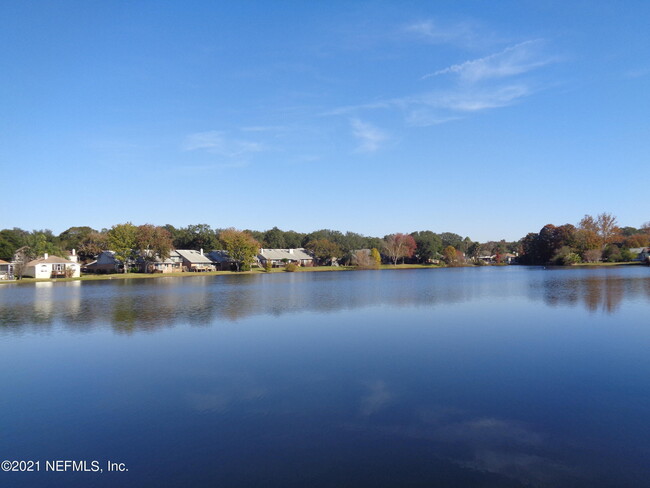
(370, 137)
(216, 142)
(637, 73)
(435, 32)
(513, 60)
(498, 80)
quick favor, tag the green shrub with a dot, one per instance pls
(268, 266)
(291, 267)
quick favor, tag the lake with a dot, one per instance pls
(470, 377)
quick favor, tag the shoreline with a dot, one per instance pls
(260, 271)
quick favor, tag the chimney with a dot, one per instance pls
(290, 251)
(74, 252)
(201, 251)
(46, 255)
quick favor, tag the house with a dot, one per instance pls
(281, 257)
(172, 264)
(195, 260)
(222, 261)
(106, 262)
(642, 253)
(6, 270)
(52, 267)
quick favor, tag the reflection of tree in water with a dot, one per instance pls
(132, 305)
(599, 292)
(135, 305)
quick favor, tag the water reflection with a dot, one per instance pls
(129, 305)
(596, 290)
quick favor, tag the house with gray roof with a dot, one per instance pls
(222, 260)
(195, 261)
(281, 257)
(106, 262)
(154, 264)
(642, 253)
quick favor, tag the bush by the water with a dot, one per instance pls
(291, 267)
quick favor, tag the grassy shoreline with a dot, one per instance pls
(256, 271)
(259, 271)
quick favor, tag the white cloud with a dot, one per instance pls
(370, 137)
(512, 61)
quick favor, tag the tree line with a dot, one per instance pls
(150, 241)
(594, 239)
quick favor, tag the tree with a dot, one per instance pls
(153, 242)
(196, 237)
(74, 236)
(92, 246)
(324, 250)
(363, 259)
(604, 226)
(10, 241)
(274, 239)
(637, 240)
(399, 246)
(473, 251)
(429, 245)
(449, 255)
(241, 247)
(122, 240)
(374, 253)
(592, 255)
(22, 256)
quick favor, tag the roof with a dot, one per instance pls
(290, 254)
(173, 257)
(3, 262)
(50, 260)
(220, 257)
(639, 250)
(194, 256)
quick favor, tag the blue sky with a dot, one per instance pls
(489, 119)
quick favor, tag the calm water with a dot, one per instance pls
(484, 377)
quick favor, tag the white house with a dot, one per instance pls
(6, 270)
(52, 267)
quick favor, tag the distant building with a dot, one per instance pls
(281, 257)
(52, 267)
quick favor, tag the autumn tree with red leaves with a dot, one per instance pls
(399, 246)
